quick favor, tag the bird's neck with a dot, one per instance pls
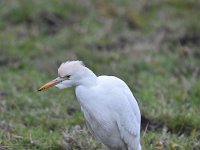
(90, 78)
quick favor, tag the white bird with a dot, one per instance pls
(111, 112)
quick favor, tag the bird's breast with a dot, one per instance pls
(104, 130)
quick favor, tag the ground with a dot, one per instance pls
(152, 45)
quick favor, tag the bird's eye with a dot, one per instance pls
(67, 76)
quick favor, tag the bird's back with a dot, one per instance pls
(111, 81)
(114, 83)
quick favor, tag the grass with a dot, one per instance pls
(153, 48)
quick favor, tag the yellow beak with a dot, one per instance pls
(47, 85)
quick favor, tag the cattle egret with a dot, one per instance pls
(111, 112)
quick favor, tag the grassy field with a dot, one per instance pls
(152, 45)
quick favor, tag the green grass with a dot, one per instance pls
(153, 47)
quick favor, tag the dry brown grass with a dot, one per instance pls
(78, 138)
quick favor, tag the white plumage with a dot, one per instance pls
(109, 107)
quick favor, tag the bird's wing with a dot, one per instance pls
(129, 120)
(128, 108)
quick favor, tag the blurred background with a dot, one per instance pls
(152, 45)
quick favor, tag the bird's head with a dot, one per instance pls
(70, 73)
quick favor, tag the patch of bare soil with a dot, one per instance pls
(3, 94)
(158, 125)
(48, 23)
(71, 111)
(51, 23)
(2, 147)
(150, 124)
(190, 39)
(5, 60)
